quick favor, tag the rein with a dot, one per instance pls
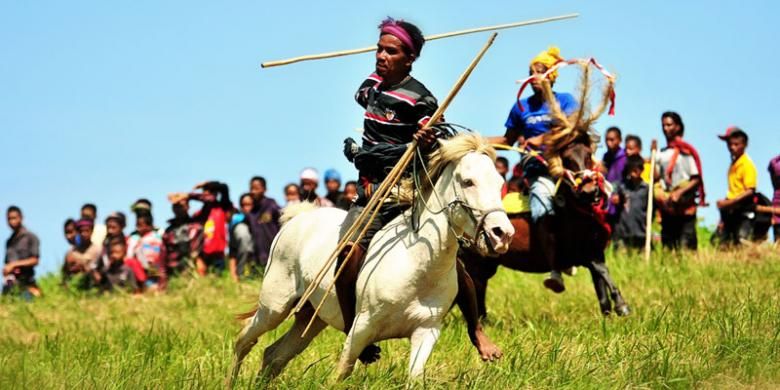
(597, 210)
(465, 240)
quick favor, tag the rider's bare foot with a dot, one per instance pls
(488, 350)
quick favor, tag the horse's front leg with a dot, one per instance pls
(467, 302)
(359, 337)
(423, 340)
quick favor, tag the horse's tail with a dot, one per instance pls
(248, 314)
(289, 212)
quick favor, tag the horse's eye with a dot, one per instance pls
(468, 183)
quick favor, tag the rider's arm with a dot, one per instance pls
(510, 137)
(361, 96)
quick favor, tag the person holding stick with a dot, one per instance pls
(398, 107)
(678, 177)
(529, 119)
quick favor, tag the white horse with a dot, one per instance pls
(408, 280)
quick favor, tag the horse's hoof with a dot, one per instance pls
(622, 310)
(554, 284)
(370, 354)
(606, 312)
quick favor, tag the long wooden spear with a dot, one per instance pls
(649, 217)
(392, 179)
(428, 38)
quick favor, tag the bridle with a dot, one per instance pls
(477, 215)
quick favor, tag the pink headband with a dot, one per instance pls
(390, 26)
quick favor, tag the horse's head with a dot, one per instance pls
(469, 185)
(571, 140)
(578, 172)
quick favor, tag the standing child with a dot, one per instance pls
(630, 200)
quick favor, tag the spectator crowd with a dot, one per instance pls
(221, 236)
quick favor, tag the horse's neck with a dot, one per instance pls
(437, 245)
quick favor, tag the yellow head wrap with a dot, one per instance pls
(548, 58)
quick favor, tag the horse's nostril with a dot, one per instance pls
(498, 232)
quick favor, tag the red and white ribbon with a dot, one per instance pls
(561, 64)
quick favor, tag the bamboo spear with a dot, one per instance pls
(649, 218)
(428, 38)
(393, 178)
(768, 209)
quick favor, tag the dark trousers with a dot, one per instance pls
(736, 227)
(630, 243)
(776, 229)
(387, 213)
(678, 231)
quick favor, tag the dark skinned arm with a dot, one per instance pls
(729, 203)
(691, 186)
(28, 262)
(510, 137)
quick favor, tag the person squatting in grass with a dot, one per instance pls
(527, 127)
(82, 260)
(146, 253)
(241, 248)
(678, 183)
(116, 274)
(22, 252)
(738, 205)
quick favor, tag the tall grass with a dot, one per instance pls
(705, 320)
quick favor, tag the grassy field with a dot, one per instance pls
(711, 320)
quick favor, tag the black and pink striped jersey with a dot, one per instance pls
(393, 113)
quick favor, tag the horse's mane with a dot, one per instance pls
(577, 127)
(449, 150)
(290, 211)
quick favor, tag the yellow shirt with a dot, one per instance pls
(742, 176)
(646, 172)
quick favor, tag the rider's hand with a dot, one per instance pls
(425, 136)
(723, 204)
(533, 142)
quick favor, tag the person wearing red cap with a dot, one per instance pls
(736, 207)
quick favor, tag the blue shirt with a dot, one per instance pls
(535, 118)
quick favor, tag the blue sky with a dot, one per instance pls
(106, 102)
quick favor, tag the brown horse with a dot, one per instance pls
(575, 234)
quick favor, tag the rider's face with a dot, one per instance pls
(391, 60)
